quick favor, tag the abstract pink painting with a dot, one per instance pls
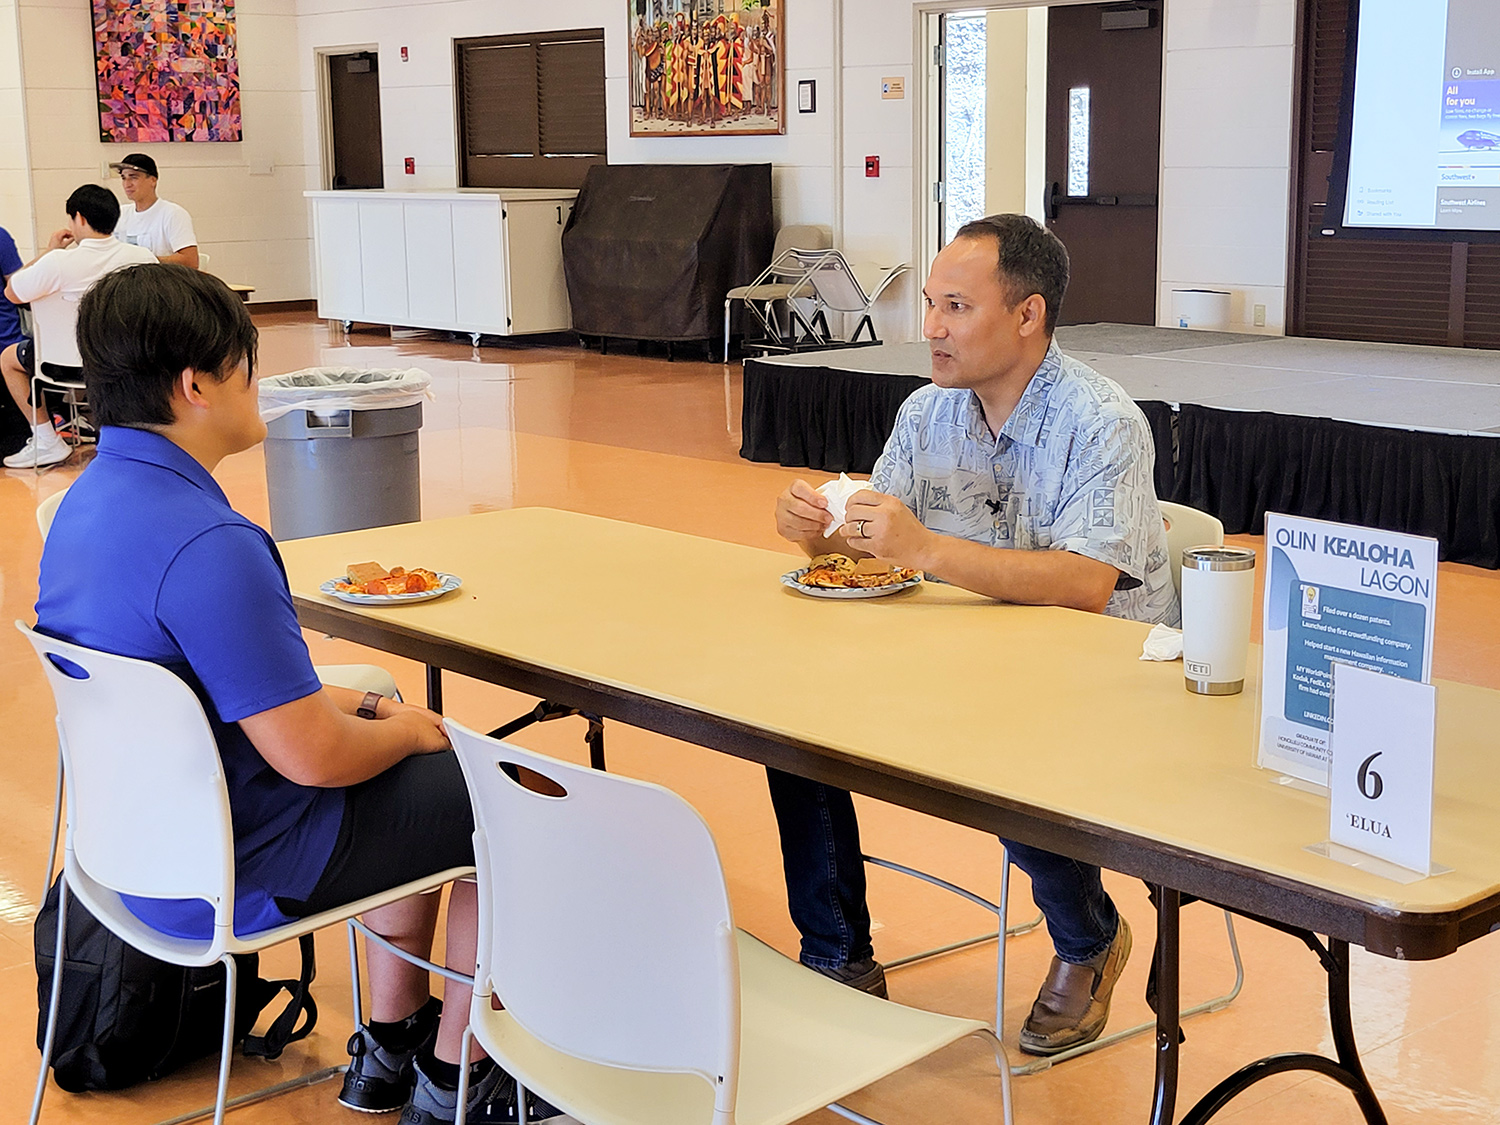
(167, 70)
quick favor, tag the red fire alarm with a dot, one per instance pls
(404, 56)
(411, 165)
(872, 166)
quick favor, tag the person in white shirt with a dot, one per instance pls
(161, 226)
(53, 283)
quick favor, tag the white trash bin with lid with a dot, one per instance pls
(342, 448)
(1200, 308)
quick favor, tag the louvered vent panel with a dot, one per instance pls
(1330, 26)
(1391, 292)
(1482, 299)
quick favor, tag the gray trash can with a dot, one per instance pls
(342, 450)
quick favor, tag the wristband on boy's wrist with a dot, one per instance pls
(369, 704)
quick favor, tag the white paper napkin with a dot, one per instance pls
(838, 493)
(1162, 643)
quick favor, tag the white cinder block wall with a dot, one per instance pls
(1225, 152)
(15, 180)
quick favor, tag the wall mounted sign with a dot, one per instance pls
(167, 70)
(706, 68)
(1335, 592)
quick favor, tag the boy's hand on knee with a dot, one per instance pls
(426, 727)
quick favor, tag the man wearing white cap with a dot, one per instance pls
(161, 226)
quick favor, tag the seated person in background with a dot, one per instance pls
(52, 284)
(10, 315)
(1025, 476)
(14, 429)
(161, 226)
(335, 795)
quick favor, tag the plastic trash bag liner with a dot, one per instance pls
(328, 390)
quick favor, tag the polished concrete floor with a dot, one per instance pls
(644, 440)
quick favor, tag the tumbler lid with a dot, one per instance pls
(1218, 558)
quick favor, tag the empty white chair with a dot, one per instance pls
(630, 998)
(148, 815)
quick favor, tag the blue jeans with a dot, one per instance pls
(825, 881)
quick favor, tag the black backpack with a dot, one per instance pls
(125, 1017)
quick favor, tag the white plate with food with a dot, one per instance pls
(372, 584)
(841, 578)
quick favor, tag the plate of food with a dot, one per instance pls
(839, 576)
(371, 584)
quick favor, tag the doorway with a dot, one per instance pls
(1104, 156)
(1054, 112)
(354, 154)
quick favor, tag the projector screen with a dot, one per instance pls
(1423, 151)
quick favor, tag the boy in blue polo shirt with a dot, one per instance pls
(335, 795)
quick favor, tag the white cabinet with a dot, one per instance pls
(476, 262)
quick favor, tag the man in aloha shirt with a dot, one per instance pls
(1023, 475)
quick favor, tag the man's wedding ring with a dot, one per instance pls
(859, 528)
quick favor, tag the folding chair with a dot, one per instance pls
(630, 998)
(838, 288)
(148, 815)
(783, 280)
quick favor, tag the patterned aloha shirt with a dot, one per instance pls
(1071, 471)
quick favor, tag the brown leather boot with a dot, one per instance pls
(1073, 1004)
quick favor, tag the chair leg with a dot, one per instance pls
(226, 1045)
(359, 1007)
(726, 331)
(462, 1112)
(1000, 948)
(847, 1113)
(58, 949)
(1002, 1063)
(57, 800)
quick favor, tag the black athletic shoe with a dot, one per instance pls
(379, 1079)
(491, 1101)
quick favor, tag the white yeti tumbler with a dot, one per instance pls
(1218, 593)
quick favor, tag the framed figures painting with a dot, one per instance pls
(707, 68)
(167, 70)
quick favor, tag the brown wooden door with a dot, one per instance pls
(354, 115)
(1104, 155)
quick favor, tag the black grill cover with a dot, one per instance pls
(651, 249)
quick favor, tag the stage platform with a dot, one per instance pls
(1383, 435)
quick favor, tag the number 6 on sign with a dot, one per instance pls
(1381, 781)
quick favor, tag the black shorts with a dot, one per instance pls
(411, 821)
(26, 357)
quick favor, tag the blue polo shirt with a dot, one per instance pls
(10, 316)
(147, 559)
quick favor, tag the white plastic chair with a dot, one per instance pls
(630, 998)
(148, 815)
(838, 287)
(46, 512)
(783, 280)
